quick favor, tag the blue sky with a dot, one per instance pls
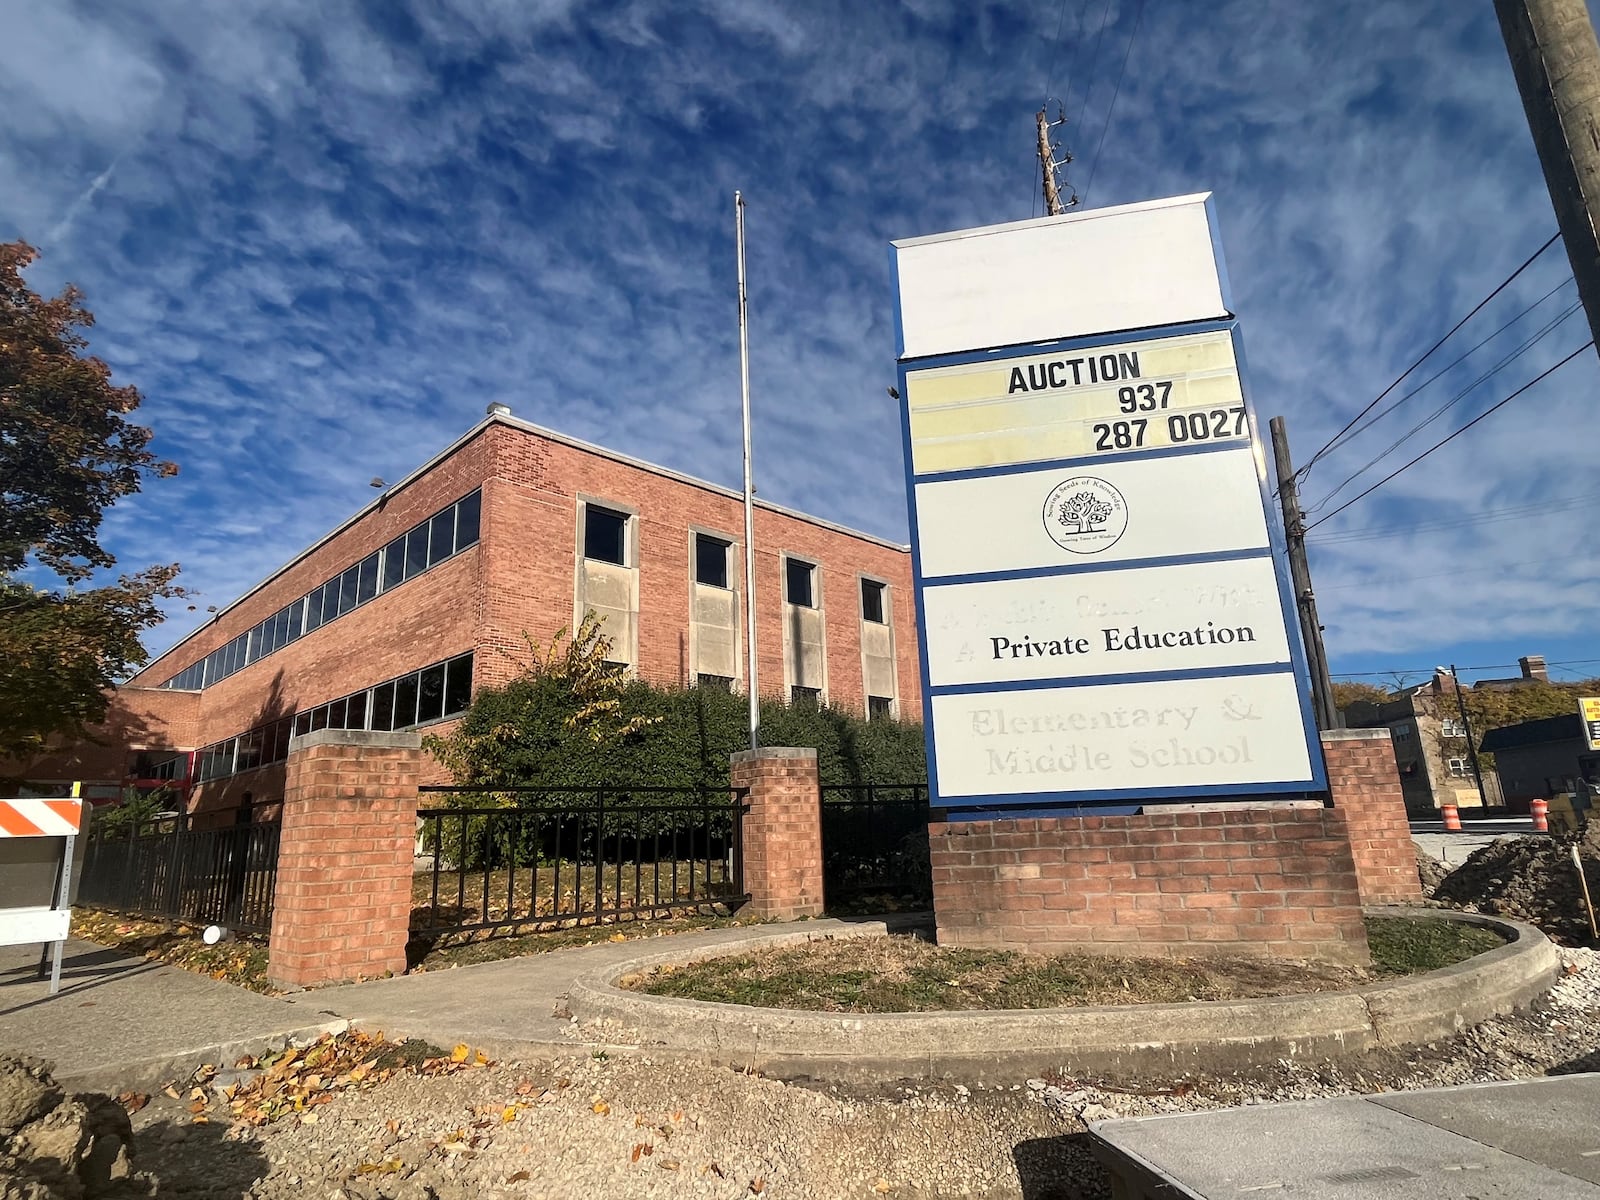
(320, 237)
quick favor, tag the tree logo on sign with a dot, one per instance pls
(1085, 514)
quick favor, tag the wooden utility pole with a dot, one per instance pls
(1556, 62)
(1049, 165)
(1328, 714)
(1466, 728)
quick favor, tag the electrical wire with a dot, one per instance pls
(1094, 61)
(1571, 662)
(1446, 441)
(1115, 92)
(1515, 512)
(1455, 573)
(1522, 349)
(1378, 399)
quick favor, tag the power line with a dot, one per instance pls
(1514, 512)
(1522, 349)
(1368, 583)
(1115, 92)
(1452, 437)
(1378, 399)
(1094, 61)
(1571, 662)
(1457, 361)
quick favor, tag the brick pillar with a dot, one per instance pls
(782, 832)
(1365, 784)
(342, 907)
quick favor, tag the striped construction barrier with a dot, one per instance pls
(37, 817)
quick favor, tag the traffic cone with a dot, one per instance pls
(1452, 817)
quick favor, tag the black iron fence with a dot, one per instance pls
(164, 869)
(547, 858)
(875, 842)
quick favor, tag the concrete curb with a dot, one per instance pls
(178, 1065)
(1146, 1040)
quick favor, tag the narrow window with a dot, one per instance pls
(336, 715)
(872, 601)
(302, 723)
(799, 583)
(605, 535)
(348, 584)
(720, 683)
(319, 718)
(383, 706)
(394, 563)
(458, 685)
(405, 701)
(441, 535)
(367, 579)
(356, 711)
(417, 550)
(314, 610)
(468, 512)
(879, 708)
(430, 694)
(804, 697)
(710, 560)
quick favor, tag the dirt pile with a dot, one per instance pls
(59, 1147)
(1431, 871)
(1530, 879)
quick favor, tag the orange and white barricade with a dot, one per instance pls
(37, 817)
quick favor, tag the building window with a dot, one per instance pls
(1452, 728)
(879, 708)
(872, 601)
(720, 683)
(447, 532)
(1459, 767)
(804, 697)
(1402, 733)
(799, 583)
(711, 560)
(605, 535)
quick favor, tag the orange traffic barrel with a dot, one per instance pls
(1452, 817)
(1541, 815)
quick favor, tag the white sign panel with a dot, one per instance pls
(1133, 267)
(1188, 617)
(1101, 613)
(1142, 737)
(1151, 508)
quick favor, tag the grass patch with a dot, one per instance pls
(902, 973)
(1410, 945)
(242, 962)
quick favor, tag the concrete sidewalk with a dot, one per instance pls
(1528, 1140)
(121, 1022)
(516, 1008)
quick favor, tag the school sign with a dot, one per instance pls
(1102, 597)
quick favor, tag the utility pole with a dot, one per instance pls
(1472, 750)
(1328, 714)
(1556, 62)
(1049, 164)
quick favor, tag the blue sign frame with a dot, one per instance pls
(1056, 802)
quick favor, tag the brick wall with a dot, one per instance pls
(138, 719)
(343, 903)
(782, 832)
(1366, 789)
(1261, 880)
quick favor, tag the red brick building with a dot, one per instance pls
(395, 618)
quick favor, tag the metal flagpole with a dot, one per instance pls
(749, 488)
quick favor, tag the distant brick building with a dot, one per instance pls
(396, 617)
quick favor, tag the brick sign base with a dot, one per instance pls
(1274, 880)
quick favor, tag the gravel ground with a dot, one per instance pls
(630, 1127)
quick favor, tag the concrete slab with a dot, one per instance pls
(1367, 1146)
(1453, 849)
(517, 1008)
(121, 1022)
(1548, 1121)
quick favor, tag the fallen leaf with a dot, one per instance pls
(309, 1118)
(757, 1186)
(618, 937)
(508, 1114)
(459, 1054)
(518, 1177)
(198, 1106)
(171, 1091)
(601, 1107)
(526, 1088)
(881, 1187)
(677, 1114)
(714, 1169)
(133, 1101)
(392, 1125)
(389, 1166)
(668, 1164)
